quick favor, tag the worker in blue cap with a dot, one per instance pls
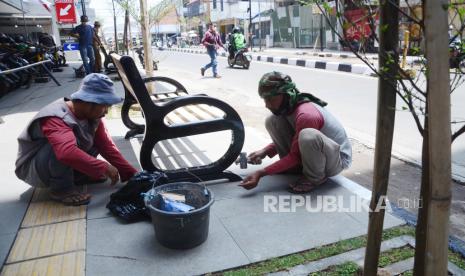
(59, 147)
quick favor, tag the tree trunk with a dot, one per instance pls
(439, 140)
(389, 16)
(147, 43)
(420, 233)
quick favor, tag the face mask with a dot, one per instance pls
(283, 108)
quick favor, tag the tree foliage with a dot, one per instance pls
(156, 13)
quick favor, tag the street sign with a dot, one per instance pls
(71, 46)
(66, 13)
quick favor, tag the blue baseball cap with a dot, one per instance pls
(97, 88)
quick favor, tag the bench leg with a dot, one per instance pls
(231, 177)
(133, 132)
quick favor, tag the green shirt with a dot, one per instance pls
(239, 41)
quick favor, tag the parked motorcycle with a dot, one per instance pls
(140, 53)
(58, 56)
(457, 55)
(108, 62)
(240, 58)
(16, 53)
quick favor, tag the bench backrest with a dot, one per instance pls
(132, 81)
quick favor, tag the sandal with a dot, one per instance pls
(71, 197)
(303, 186)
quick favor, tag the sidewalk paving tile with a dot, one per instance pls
(268, 235)
(274, 234)
(71, 264)
(113, 245)
(389, 220)
(52, 239)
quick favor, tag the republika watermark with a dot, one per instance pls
(330, 204)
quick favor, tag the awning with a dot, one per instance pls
(9, 7)
(261, 19)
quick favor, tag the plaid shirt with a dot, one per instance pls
(212, 38)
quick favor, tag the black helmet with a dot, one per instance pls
(84, 18)
(4, 38)
(236, 30)
(19, 38)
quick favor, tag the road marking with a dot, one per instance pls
(296, 67)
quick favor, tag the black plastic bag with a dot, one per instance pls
(128, 202)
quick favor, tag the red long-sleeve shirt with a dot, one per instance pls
(306, 116)
(63, 141)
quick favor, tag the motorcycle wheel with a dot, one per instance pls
(108, 60)
(461, 66)
(61, 61)
(246, 63)
(230, 62)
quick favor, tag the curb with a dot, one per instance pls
(455, 244)
(360, 69)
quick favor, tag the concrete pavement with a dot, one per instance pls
(240, 231)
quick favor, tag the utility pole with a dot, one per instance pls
(259, 25)
(321, 32)
(250, 25)
(130, 34)
(208, 19)
(24, 21)
(114, 25)
(83, 5)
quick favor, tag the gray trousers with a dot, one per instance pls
(320, 155)
(49, 172)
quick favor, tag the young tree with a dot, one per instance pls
(358, 30)
(147, 17)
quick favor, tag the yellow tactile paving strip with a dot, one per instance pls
(47, 240)
(42, 211)
(71, 264)
(51, 240)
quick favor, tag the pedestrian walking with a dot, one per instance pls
(97, 43)
(85, 34)
(212, 42)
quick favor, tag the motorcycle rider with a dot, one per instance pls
(237, 42)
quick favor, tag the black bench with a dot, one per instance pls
(158, 127)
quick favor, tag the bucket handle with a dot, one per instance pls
(205, 191)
